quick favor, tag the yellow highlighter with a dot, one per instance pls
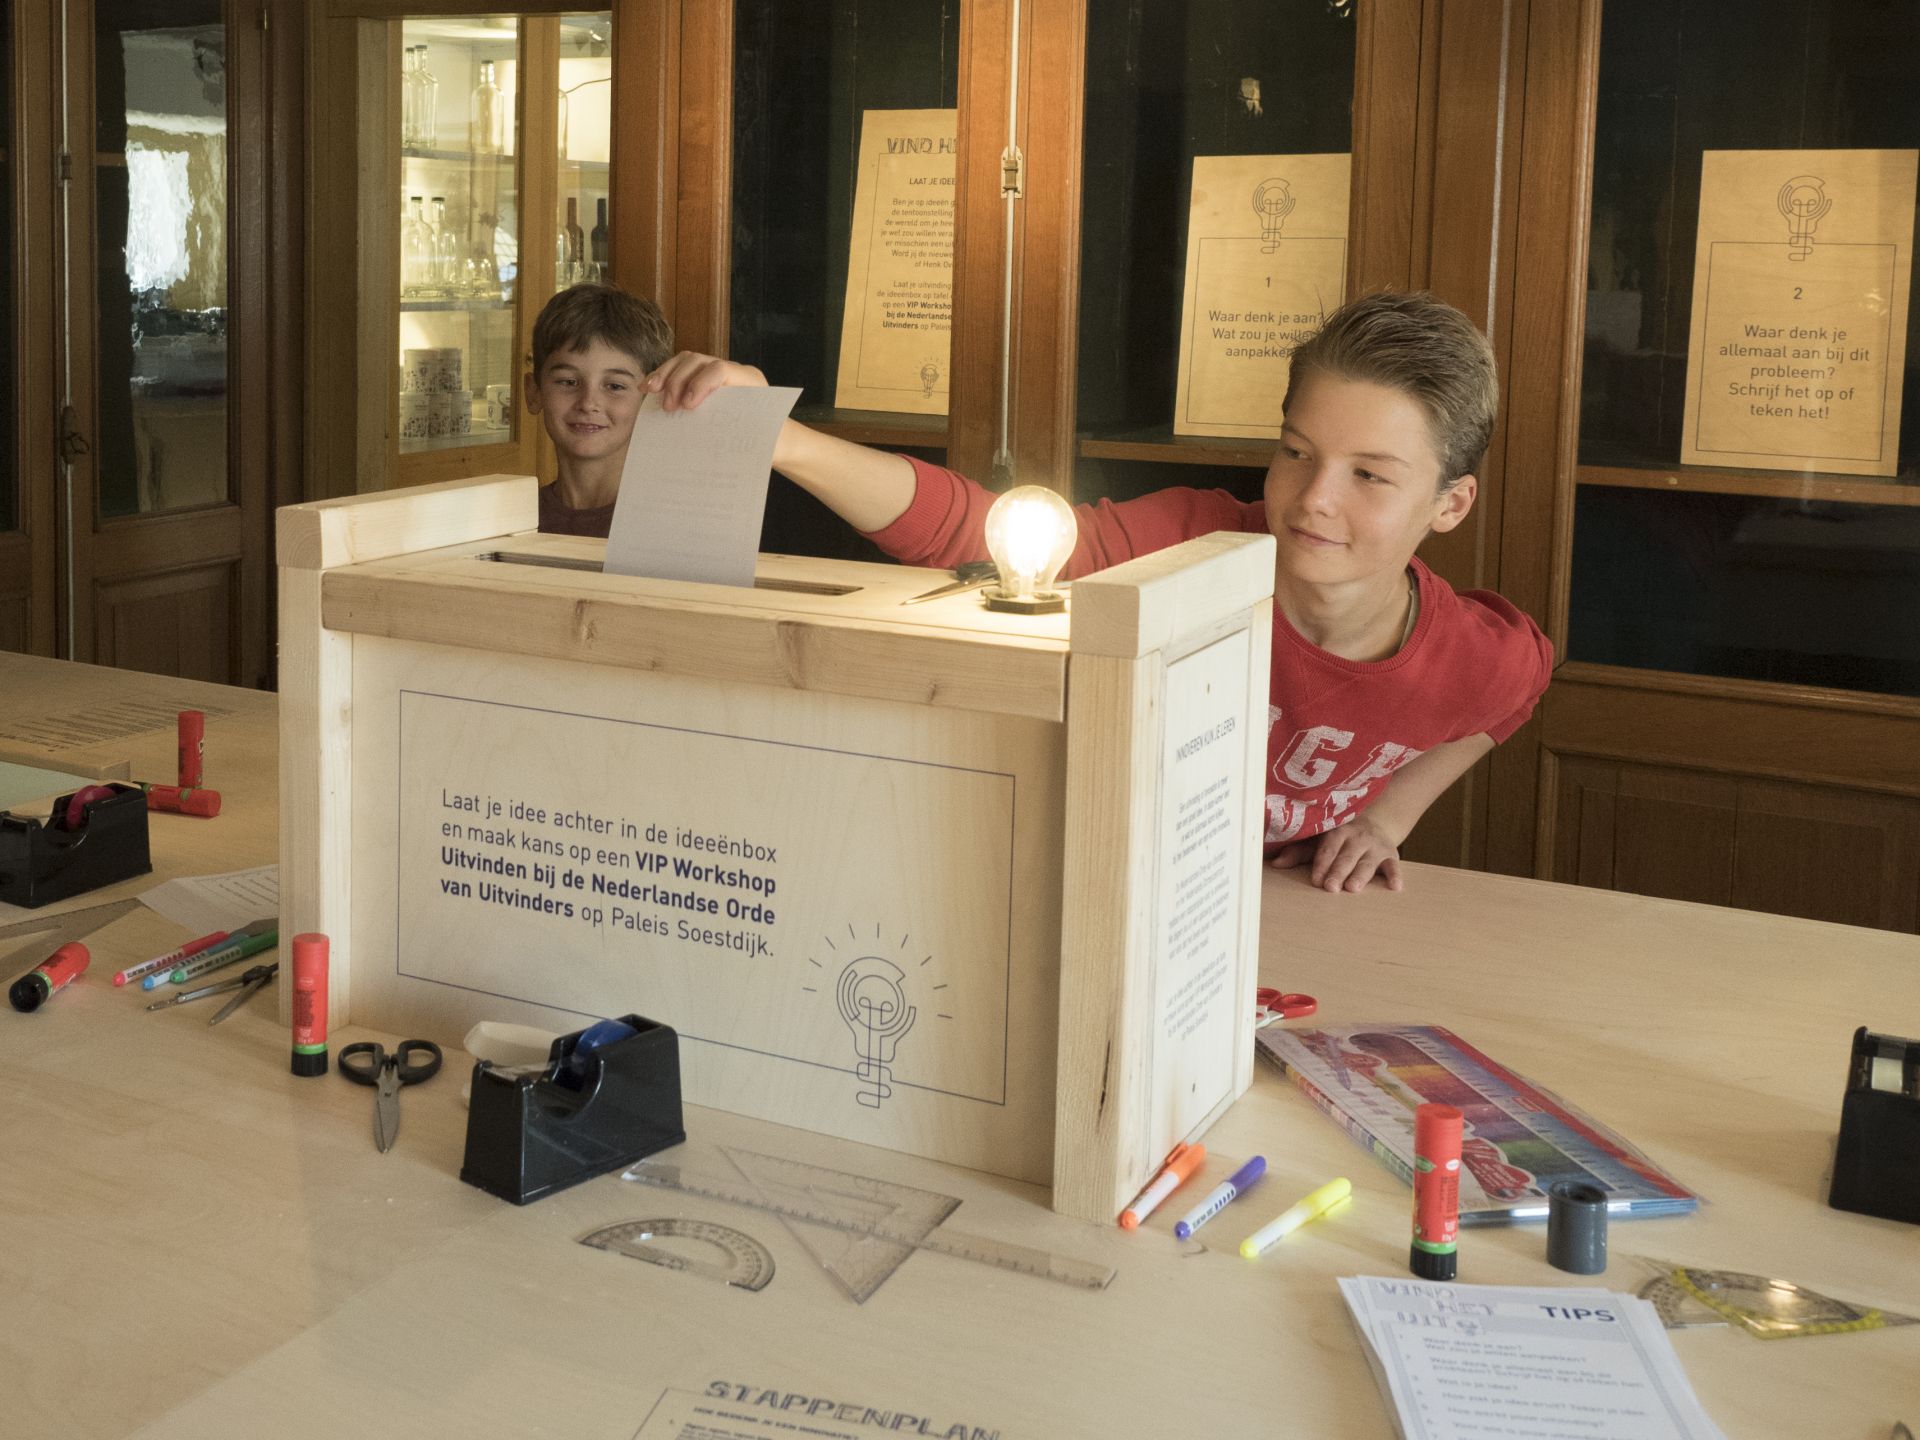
(1290, 1220)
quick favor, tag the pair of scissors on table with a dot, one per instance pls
(1271, 1005)
(368, 1063)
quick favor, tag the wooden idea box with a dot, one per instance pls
(975, 886)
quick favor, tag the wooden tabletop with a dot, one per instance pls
(203, 1245)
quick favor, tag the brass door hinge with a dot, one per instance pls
(1013, 172)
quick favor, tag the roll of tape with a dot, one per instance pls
(1577, 1227)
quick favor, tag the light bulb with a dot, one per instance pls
(1272, 202)
(1030, 534)
(1803, 200)
(876, 1010)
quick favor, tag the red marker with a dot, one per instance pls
(177, 800)
(310, 1004)
(170, 959)
(49, 977)
(1436, 1192)
(193, 748)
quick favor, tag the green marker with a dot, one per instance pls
(229, 954)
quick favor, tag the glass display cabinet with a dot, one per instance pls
(503, 138)
(1177, 85)
(1718, 248)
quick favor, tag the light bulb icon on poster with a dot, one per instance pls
(874, 1005)
(1803, 200)
(1272, 201)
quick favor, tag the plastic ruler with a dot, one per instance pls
(891, 1216)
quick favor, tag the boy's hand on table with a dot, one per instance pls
(689, 378)
(1348, 857)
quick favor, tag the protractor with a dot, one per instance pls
(698, 1247)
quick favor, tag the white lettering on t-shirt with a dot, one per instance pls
(1301, 766)
(1285, 818)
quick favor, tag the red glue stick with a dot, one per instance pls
(193, 748)
(310, 1004)
(49, 977)
(1436, 1192)
(177, 800)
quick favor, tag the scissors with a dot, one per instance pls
(368, 1063)
(970, 576)
(1271, 1005)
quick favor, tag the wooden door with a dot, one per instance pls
(28, 395)
(165, 339)
(1735, 712)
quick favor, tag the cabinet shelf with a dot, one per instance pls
(1765, 484)
(408, 307)
(477, 440)
(876, 427)
(452, 157)
(1159, 443)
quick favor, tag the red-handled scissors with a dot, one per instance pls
(1271, 1005)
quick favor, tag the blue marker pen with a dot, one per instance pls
(1222, 1195)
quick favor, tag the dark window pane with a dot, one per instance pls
(161, 228)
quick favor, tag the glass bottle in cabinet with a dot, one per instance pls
(583, 147)
(458, 331)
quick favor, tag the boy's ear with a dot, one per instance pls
(1454, 505)
(530, 388)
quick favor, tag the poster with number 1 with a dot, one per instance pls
(1801, 274)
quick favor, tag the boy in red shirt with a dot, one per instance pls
(1379, 667)
(593, 346)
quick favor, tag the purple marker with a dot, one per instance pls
(1222, 1195)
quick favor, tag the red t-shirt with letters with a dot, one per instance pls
(1336, 729)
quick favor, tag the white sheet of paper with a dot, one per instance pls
(1465, 1361)
(695, 488)
(206, 903)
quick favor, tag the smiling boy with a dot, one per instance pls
(593, 347)
(1380, 669)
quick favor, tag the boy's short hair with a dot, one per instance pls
(1429, 352)
(581, 314)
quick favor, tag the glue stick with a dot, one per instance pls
(193, 748)
(310, 1004)
(1436, 1192)
(179, 800)
(49, 977)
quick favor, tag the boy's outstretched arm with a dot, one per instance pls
(869, 489)
(1348, 856)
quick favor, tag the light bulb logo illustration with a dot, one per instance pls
(1803, 200)
(875, 1007)
(1272, 202)
(929, 377)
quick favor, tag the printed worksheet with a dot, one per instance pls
(1477, 1362)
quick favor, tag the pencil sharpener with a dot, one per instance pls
(589, 1111)
(94, 837)
(1876, 1166)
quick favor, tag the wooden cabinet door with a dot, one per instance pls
(165, 510)
(1737, 703)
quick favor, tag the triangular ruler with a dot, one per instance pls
(860, 1264)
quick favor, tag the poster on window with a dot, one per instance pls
(1797, 348)
(894, 341)
(1266, 263)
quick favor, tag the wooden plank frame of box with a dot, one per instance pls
(974, 886)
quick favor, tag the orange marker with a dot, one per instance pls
(1180, 1166)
